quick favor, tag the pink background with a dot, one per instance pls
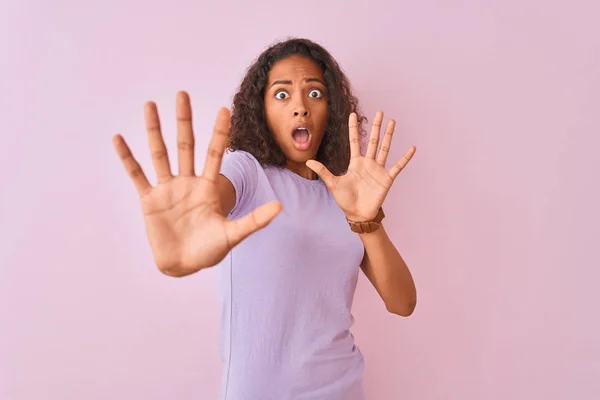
(497, 214)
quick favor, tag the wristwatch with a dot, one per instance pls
(367, 226)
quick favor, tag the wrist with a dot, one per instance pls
(366, 226)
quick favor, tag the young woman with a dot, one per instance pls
(287, 216)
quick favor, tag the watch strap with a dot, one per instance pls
(367, 226)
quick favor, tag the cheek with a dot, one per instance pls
(271, 117)
(322, 113)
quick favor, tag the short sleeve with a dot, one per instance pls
(241, 169)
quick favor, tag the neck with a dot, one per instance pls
(301, 169)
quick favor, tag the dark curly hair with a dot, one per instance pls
(249, 130)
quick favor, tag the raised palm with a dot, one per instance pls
(184, 221)
(360, 192)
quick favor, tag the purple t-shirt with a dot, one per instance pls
(286, 292)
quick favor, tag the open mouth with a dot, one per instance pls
(301, 138)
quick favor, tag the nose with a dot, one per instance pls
(304, 113)
(301, 111)
(300, 108)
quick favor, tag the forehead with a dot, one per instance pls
(295, 67)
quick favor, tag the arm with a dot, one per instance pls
(184, 213)
(226, 195)
(360, 193)
(387, 271)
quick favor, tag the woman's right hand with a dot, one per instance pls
(183, 214)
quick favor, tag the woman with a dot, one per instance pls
(287, 216)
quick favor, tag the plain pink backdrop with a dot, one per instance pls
(497, 214)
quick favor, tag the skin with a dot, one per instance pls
(360, 193)
(296, 93)
(185, 214)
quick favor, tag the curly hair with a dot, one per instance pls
(249, 130)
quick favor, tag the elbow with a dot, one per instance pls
(404, 309)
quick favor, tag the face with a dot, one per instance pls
(296, 108)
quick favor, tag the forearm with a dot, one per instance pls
(388, 272)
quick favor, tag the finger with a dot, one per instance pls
(353, 131)
(321, 170)
(239, 229)
(217, 145)
(395, 170)
(384, 149)
(185, 134)
(158, 150)
(374, 137)
(132, 167)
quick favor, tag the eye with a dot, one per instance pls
(281, 95)
(315, 94)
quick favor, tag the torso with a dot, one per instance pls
(286, 294)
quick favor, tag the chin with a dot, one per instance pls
(298, 156)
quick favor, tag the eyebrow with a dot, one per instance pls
(288, 82)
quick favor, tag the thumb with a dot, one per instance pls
(239, 229)
(322, 171)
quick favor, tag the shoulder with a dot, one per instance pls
(239, 164)
(242, 169)
(241, 158)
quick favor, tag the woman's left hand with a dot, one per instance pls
(361, 191)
